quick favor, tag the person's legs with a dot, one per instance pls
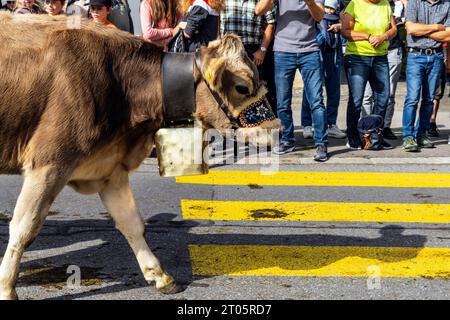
(306, 117)
(311, 71)
(379, 82)
(357, 69)
(332, 79)
(285, 68)
(306, 111)
(431, 83)
(367, 105)
(415, 72)
(395, 67)
(433, 131)
(269, 77)
(332, 62)
(436, 104)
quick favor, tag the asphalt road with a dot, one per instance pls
(78, 232)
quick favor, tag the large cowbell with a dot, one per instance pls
(180, 143)
(180, 151)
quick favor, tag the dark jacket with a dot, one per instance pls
(327, 40)
(202, 27)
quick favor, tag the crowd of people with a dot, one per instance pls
(318, 38)
(98, 10)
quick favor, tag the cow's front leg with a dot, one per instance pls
(39, 189)
(119, 201)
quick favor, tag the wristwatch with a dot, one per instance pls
(263, 49)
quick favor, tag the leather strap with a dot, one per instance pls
(216, 96)
(178, 88)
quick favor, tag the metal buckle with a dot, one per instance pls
(429, 51)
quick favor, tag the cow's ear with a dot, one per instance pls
(213, 73)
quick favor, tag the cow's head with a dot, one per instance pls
(228, 71)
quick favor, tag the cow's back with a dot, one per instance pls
(59, 86)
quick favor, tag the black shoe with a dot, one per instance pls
(283, 148)
(433, 131)
(386, 146)
(388, 134)
(354, 143)
(321, 153)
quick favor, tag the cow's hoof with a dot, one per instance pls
(170, 288)
(164, 283)
(8, 295)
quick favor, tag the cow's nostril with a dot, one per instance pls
(242, 90)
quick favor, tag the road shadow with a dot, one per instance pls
(110, 266)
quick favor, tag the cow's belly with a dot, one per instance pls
(91, 175)
(101, 164)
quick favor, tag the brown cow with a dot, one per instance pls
(80, 107)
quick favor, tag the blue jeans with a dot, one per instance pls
(359, 70)
(422, 76)
(332, 77)
(286, 64)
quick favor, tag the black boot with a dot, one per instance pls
(433, 131)
(388, 134)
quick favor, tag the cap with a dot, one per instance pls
(106, 3)
(331, 3)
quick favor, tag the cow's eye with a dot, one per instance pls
(242, 90)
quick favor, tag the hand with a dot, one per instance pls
(439, 27)
(175, 30)
(258, 57)
(335, 27)
(182, 25)
(375, 41)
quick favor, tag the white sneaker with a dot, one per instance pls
(308, 132)
(335, 132)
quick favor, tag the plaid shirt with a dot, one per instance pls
(239, 18)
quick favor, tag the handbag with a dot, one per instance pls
(371, 127)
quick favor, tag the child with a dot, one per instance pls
(99, 10)
(27, 6)
(9, 6)
(54, 7)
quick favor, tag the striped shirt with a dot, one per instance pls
(239, 18)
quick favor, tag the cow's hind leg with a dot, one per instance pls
(118, 199)
(39, 189)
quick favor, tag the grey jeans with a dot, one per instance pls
(395, 66)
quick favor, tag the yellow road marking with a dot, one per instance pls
(320, 261)
(315, 211)
(330, 179)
